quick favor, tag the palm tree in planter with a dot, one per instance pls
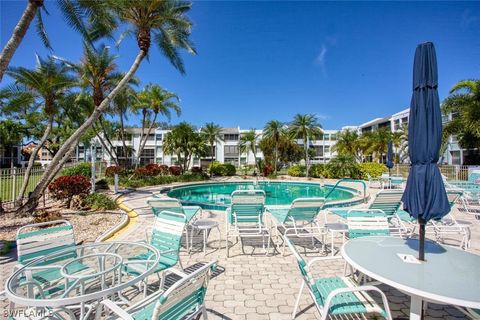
(163, 21)
(152, 101)
(274, 130)
(212, 133)
(305, 127)
(248, 142)
(45, 85)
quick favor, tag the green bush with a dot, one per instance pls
(218, 169)
(342, 166)
(158, 180)
(372, 169)
(296, 171)
(317, 171)
(83, 169)
(99, 201)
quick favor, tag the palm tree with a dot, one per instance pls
(47, 84)
(184, 142)
(121, 106)
(305, 127)
(152, 101)
(212, 133)
(274, 129)
(165, 20)
(248, 142)
(348, 143)
(10, 135)
(31, 11)
(464, 105)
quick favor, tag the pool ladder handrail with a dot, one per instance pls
(349, 180)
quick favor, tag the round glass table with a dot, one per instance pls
(448, 276)
(78, 277)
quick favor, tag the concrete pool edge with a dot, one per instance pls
(355, 200)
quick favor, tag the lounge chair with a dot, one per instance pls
(300, 219)
(185, 299)
(166, 238)
(245, 217)
(367, 222)
(336, 296)
(387, 201)
(191, 213)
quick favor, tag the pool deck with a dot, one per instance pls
(256, 286)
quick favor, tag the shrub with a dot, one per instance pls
(197, 170)
(83, 169)
(267, 170)
(163, 169)
(175, 170)
(372, 169)
(65, 187)
(228, 169)
(215, 168)
(149, 170)
(113, 170)
(296, 171)
(99, 201)
(343, 166)
(159, 180)
(317, 171)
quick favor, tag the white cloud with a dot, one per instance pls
(321, 59)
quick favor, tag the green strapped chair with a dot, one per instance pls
(300, 216)
(185, 299)
(44, 239)
(165, 237)
(336, 296)
(158, 204)
(367, 222)
(245, 217)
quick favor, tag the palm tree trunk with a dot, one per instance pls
(112, 148)
(276, 157)
(211, 155)
(104, 145)
(31, 161)
(122, 134)
(142, 143)
(70, 144)
(137, 157)
(305, 140)
(18, 34)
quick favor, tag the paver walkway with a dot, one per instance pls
(256, 286)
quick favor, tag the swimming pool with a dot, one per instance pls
(217, 195)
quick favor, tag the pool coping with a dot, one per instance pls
(356, 200)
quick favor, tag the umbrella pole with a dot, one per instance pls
(421, 249)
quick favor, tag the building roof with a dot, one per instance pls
(230, 130)
(374, 122)
(401, 112)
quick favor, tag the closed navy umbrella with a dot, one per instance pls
(390, 156)
(425, 197)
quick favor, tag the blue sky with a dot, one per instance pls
(347, 62)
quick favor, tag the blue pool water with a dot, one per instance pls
(278, 193)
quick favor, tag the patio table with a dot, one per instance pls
(448, 276)
(78, 277)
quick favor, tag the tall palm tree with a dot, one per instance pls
(31, 11)
(212, 133)
(248, 142)
(164, 21)
(305, 127)
(122, 106)
(274, 129)
(464, 105)
(47, 84)
(152, 101)
(348, 144)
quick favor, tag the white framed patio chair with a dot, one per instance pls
(299, 220)
(367, 222)
(159, 204)
(336, 296)
(166, 238)
(185, 299)
(245, 217)
(397, 182)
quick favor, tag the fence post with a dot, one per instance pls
(14, 182)
(116, 183)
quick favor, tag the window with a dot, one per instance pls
(151, 137)
(230, 151)
(159, 151)
(233, 161)
(230, 137)
(159, 160)
(326, 136)
(396, 124)
(327, 149)
(147, 156)
(319, 151)
(333, 137)
(159, 137)
(404, 119)
(455, 157)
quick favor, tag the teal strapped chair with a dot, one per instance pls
(40, 239)
(300, 219)
(336, 296)
(185, 299)
(367, 222)
(158, 204)
(165, 237)
(245, 217)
